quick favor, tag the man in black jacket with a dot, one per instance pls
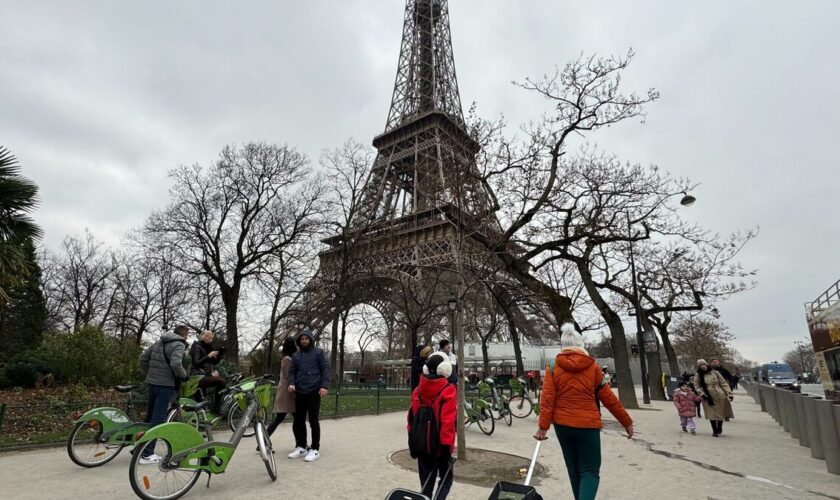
(309, 380)
(204, 360)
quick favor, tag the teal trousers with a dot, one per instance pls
(582, 453)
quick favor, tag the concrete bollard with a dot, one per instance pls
(784, 418)
(774, 403)
(814, 438)
(793, 422)
(761, 398)
(829, 435)
(799, 405)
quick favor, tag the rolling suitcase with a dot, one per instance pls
(513, 491)
(403, 494)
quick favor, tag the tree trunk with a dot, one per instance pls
(657, 392)
(624, 378)
(230, 298)
(341, 349)
(485, 355)
(669, 352)
(514, 337)
(334, 351)
(361, 364)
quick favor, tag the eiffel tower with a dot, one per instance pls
(422, 194)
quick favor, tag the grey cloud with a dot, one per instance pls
(100, 99)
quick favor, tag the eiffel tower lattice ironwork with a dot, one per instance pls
(423, 185)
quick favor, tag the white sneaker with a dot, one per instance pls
(299, 452)
(312, 456)
(151, 459)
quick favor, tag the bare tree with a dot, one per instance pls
(226, 222)
(700, 337)
(77, 283)
(346, 175)
(802, 359)
(523, 178)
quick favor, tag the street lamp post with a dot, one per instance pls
(638, 309)
(686, 201)
(801, 358)
(453, 306)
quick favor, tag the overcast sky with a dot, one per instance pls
(99, 99)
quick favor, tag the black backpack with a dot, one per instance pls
(424, 436)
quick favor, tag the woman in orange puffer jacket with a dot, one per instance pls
(569, 402)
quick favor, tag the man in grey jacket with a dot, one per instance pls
(162, 364)
(309, 380)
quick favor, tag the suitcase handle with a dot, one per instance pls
(533, 463)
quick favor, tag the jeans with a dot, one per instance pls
(307, 405)
(160, 396)
(582, 453)
(435, 467)
(688, 422)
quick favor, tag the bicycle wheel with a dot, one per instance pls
(266, 452)
(84, 447)
(520, 407)
(506, 416)
(486, 422)
(159, 481)
(235, 416)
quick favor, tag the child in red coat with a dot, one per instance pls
(435, 390)
(685, 399)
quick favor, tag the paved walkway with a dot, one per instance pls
(753, 459)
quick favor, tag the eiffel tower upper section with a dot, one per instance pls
(426, 72)
(426, 159)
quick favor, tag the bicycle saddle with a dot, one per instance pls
(197, 406)
(125, 388)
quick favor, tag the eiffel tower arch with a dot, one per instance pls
(423, 196)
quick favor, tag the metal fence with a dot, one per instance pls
(813, 421)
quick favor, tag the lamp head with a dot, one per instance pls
(687, 200)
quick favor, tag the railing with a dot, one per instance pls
(828, 299)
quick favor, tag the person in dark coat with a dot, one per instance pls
(421, 352)
(204, 360)
(309, 381)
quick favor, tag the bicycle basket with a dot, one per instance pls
(190, 387)
(516, 386)
(263, 393)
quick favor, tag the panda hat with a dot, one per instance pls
(438, 364)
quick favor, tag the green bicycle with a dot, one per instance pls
(185, 454)
(233, 408)
(522, 404)
(499, 407)
(100, 434)
(479, 413)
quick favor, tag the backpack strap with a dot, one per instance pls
(168, 362)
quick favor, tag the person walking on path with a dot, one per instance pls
(728, 412)
(421, 352)
(716, 395)
(163, 365)
(438, 394)
(685, 400)
(309, 381)
(446, 348)
(569, 401)
(692, 385)
(204, 360)
(284, 401)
